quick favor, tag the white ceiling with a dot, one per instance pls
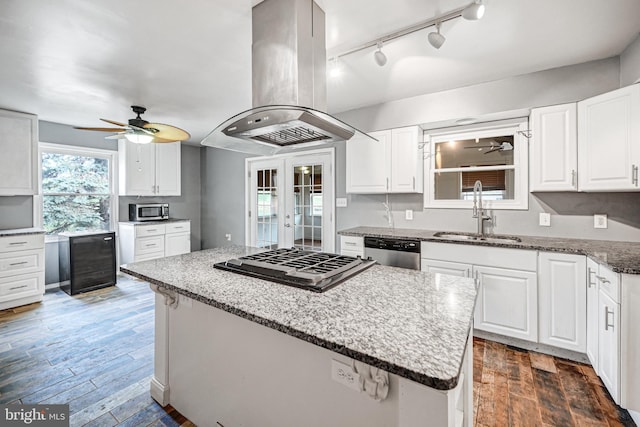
(189, 63)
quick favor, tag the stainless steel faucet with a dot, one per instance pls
(478, 211)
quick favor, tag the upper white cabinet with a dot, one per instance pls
(19, 159)
(562, 300)
(553, 148)
(149, 169)
(393, 164)
(609, 141)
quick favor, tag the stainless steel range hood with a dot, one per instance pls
(289, 84)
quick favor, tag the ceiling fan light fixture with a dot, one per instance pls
(138, 137)
(435, 38)
(379, 56)
(474, 11)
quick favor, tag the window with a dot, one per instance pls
(77, 189)
(495, 154)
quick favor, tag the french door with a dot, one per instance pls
(291, 201)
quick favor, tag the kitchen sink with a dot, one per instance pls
(476, 238)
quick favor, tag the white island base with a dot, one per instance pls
(218, 369)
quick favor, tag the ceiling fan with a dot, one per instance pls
(141, 131)
(504, 146)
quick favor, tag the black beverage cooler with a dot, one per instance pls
(87, 261)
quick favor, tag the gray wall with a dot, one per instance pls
(223, 207)
(630, 63)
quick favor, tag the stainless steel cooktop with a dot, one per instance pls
(315, 271)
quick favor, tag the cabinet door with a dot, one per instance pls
(168, 169)
(562, 300)
(507, 302)
(177, 243)
(608, 135)
(446, 267)
(406, 160)
(553, 148)
(592, 313)
(609, 345)
(137, 168)
(368, 163)
(19, 148)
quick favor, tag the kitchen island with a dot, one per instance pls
(235, 350)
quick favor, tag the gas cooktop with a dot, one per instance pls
(315, 271)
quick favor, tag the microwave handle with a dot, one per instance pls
(165, 211)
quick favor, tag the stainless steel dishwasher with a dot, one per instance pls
(394, 252)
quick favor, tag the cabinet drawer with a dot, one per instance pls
(21, 262)
(148, 256)
(150, 230)
(353, 253)
(517, 259)
(21, 286)
(609, 283)
(145, 245)
(351, 243)
(22, 242)
(178, 227)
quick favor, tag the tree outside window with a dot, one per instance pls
(76, 191)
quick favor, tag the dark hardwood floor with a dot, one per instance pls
(94, 351)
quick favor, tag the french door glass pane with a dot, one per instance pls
(267, 208)
(307, 188)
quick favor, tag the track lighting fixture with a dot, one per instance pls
(379, 56)
(435, 38)
(474, 11)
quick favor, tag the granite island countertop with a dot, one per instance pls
(621, 257)
(406, 322)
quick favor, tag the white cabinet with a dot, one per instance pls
(609, 345)
(553, 148)
(21, 269)
(446, 267)
(562, 300)
(393, 164)
(352, 246)
(141, 242)
(592, 313)
(149, 169)
(19, 148)
(609, 141)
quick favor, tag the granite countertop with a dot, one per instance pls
(621, 257)
(21, 232)
(405, 322)
(160, 221)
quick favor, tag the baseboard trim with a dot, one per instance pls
(636, 417)
(159, 392)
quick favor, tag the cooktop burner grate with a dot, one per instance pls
(316, 271)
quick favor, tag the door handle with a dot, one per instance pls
(287, 225)
(573, 177)
(414, 182)
(606, 318)
(634, 175)
(387, 183)
(591, 274)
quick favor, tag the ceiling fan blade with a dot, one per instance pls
(113, 122)
(167, 132)
(101, 129)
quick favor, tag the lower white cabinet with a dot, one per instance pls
(446, 267)
(562, 300)
(141, 242)
(21, 269)
(592, 313)
(609, 344)
(352, 246)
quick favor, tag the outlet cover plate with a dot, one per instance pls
(545, 219)
(600, 221)
(341, 202)
(408, 214)
(345, 375)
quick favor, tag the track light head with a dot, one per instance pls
(474, 11)
(435, 38)
(379, 56)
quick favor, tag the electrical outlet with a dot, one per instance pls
(345, 375)
(408, 214)
(341, 202)
(545, 219)
(228, 236)
(600, 221)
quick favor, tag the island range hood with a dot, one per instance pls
(289, 84)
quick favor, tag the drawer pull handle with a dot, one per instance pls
(17, 243)
(603, 279)
(150, 245)
(18, 263)
(177, 227)
(152, 229)
(350, 243)
(17, 287)
(108, 238)
(606, 318)
(591, 273)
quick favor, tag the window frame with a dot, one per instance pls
(76, 150)
(516, 127)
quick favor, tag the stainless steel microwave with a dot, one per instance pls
(148, 211)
